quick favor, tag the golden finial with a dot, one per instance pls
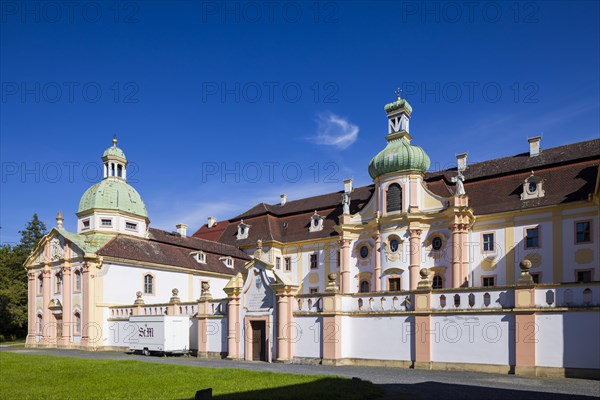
(115, 140)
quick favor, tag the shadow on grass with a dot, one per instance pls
(332, 388)
(326, 388)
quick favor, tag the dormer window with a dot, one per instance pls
(243, 230)
(316, 223)
(200, 257)
(532, 188)
(228, 261)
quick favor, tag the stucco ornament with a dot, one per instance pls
(56, 250)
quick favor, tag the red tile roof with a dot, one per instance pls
(492, 186)
(171, 249)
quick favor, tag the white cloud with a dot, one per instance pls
(336, 131)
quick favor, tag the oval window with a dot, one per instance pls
(532, 187)
(394, 245)
(436, 243)
(364, 251)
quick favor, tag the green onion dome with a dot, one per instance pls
(398, 156)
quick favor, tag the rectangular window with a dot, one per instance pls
(77, 285)
(489, 281)
(488, 242)
(277, 262)
(583, 232)
(536, 277)
(339, 259)
(148, 284)
(314, 263)
(106, 222)
(313, 290)
(532, 237)
(584, 276)
(40, 284)
(85, 224)
(131, 226)
(394, 284)
(288, 263)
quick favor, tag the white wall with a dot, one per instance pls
(308, 342)
(568, 340)
(363, 338)
(122, 281)
(480, 339)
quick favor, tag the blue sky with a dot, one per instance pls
(221, 105)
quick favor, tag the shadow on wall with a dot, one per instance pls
(337, 388)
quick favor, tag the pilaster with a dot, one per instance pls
(415, 256)
(332, 334)
(31, 320)
(525, 326)
(67, 329)
(377, 269)
(345, 266)
(47, 332)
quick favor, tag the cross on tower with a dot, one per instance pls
(398, 92)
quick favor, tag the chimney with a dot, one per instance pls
(181, 229)
(461, 161)
(347, 185)
(212, 221)
(283, 198)
(534, 146)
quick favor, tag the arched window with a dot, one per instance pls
(437, 283)
(364, 286)
(77, 277)
(57, 282)
(394, 198)
(40, 324)
(148, 284)
(77, 318)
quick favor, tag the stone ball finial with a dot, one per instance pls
(424, 272)
(138, 301)
(175, 291)
(332, 277)
(525, 265)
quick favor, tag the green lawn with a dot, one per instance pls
(28, 376)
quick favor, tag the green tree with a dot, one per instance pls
(13, 279)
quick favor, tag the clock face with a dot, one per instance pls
(532, 187)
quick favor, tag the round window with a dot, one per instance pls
(364, 251)
(436, 243)
(394, 245)
(532, 187)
